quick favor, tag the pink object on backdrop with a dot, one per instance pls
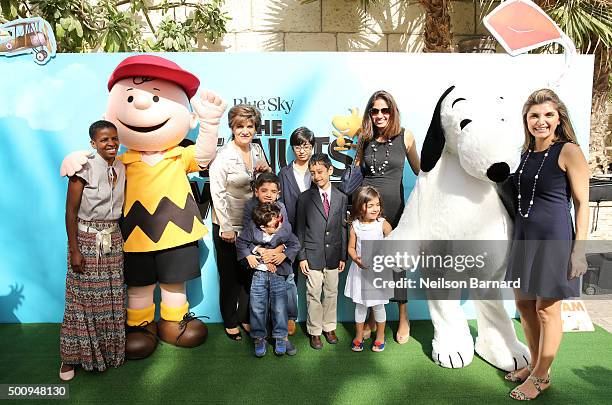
(520, 26)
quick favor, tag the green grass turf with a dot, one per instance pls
(222, 370)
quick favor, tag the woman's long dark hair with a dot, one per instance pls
(368, 130)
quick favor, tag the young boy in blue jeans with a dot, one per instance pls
(268, 287)
(267, 190)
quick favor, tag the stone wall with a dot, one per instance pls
(335, 25)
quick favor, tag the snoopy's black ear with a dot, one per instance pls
(434, 140)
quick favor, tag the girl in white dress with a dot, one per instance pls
(367, 224)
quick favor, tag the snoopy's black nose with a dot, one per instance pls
(498, 172)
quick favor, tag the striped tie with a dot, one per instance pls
(325, 205)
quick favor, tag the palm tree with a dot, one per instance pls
(437, 35)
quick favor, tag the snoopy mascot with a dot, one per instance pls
(469, 147)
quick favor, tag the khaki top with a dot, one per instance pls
(102, 200)
(230, 185)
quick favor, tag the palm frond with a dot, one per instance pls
(587, 23)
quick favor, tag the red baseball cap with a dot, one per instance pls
(156, 67)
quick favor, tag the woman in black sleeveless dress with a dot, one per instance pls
(386, 145)
(544, 255)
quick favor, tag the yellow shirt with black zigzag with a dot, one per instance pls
(160, 211)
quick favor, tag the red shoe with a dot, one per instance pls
(378, 346)
(357, 346)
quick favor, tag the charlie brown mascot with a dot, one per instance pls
(149, 104)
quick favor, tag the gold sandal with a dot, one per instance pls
(401, 339)
(512, 376)
(537, 383)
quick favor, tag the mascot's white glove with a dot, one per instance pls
(209, 108)
(74, 162)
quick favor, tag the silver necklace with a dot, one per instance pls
(535, 181)
(382, 167)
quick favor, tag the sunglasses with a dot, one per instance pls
(384, 111)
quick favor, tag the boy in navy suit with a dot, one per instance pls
(268, 288)
(322, 231)
(295, 179)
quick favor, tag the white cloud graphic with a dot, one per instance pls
(47, 102)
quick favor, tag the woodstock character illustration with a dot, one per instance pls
(346, 127)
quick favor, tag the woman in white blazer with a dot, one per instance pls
(231, 174)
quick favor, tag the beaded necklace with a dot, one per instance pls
(535, 181)
(381, 168)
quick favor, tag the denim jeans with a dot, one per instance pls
(292, 310)
(268, 296)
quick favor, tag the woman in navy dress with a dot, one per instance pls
(544, 256)
(386, 146)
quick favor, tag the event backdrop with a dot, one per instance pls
(45, 112)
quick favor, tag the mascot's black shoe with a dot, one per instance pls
(189, 332)
(141, 340)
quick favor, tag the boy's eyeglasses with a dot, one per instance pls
(303, 148)
(375, 111)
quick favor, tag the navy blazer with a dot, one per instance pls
(323, 240)
(290, 191)
(251, 235)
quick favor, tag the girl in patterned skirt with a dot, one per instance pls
(93, 333)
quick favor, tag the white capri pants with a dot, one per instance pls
(361, 311)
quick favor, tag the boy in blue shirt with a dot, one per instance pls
(266, 190)
(268, 286)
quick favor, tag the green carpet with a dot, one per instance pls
(225, 371)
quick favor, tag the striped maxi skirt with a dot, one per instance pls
(93, 331)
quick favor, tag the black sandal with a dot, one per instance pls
(233, 336)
